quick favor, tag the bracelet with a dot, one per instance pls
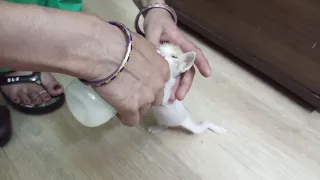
(124, 62)
(152, 6)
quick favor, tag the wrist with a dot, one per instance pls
(108, 55)
(98, 53)
(143, 3)
(145, 10)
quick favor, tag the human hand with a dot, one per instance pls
(158, 27)
(140, 85)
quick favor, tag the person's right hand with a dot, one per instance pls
(43, 39)
(141, 83)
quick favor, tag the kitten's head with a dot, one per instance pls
(178, 61)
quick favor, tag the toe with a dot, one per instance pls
(35, 97)
(15, 98)
(44, 95)
(11, 93)
(41, 93)
(53, 87)
(25, 98)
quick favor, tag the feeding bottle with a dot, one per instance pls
(87, 106)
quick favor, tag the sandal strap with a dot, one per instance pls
(35, 77)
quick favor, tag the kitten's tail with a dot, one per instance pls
(198, 128)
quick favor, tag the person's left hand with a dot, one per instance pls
(159, 26)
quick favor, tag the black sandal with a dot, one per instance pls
(33, 109)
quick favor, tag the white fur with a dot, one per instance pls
(174, 114)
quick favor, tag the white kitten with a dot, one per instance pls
(174, 114)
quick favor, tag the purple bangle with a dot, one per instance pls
(123, 64)
(152, 6)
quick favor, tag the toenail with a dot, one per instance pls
(56, 87)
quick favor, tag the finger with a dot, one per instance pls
(158, 99)
(129, 119)
(153, 34)
(185, 84)
(174, 89)
(145, 109)
(186, 46)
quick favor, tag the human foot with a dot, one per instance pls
(31, 93)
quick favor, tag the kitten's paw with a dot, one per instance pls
(156, 129)
(216, 129)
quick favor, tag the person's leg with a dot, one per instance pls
(5, 126)
(33, 98)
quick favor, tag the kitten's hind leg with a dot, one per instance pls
(194, 128)
(215, 128)
(156, 128)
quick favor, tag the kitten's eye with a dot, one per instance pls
(173, 56)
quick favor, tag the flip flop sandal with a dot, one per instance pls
(33, 109)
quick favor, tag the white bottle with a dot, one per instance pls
(87, 106)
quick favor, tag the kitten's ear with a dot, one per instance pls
(187, 61)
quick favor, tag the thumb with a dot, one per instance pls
(153, 34)
(129, 119)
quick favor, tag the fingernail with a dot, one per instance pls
(56, 87)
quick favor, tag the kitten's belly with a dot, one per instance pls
(170, 115)
(167, 90)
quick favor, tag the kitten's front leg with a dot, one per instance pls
(156, 128)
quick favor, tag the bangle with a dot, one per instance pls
(124, 62)
(152, 6)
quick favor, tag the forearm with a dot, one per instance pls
(142, 3)
(33, 38)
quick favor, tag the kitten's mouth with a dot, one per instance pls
(163, 42)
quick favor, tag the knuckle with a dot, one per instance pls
(131, 108)
(162, 85)
(150, 97)
(147, 95)
(129, 123)
(165, 72)
(187, 79)
(158, 100)
(198, 49)
(159, 85)
(145, 109)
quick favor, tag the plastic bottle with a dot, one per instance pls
(87, 106)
